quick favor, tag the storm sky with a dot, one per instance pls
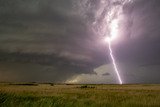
(62, 40)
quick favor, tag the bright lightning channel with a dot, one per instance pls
(114, 31)
(114, 62)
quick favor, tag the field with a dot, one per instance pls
(67, 95)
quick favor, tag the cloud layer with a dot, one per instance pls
(55, 40)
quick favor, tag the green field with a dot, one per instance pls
(50, 95)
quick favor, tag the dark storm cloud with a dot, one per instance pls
(52, 40)
(43, 27)
(38, 35)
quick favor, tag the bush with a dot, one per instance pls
(86, 86)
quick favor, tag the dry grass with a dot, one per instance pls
(47, 95)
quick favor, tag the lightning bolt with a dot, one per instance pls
(114, 34)
(114, 62)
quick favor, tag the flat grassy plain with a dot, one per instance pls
(50, 95)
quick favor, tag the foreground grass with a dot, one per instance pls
(45, 95)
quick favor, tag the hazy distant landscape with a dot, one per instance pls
(68, 95)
